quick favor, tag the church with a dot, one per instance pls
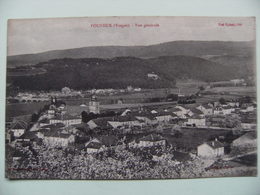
(94, 105)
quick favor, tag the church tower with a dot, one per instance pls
(94, 105)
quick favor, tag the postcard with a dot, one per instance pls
(127, 98)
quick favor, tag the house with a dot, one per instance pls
(206, 109)
(29, 136)
(51, 113)
(247, 108)
(153, 76)
(101, 123)
(44, 122)
(55, 135)
(58, 139)
(227, 109)
(195, 111)
(233, 103)
(183, 109)
(196, 121)
(122, 121)
(218, 110)
(217, 120)
(164, 117)
(18, 128)
(211, 149)
(66, 119)
(180, 112)
(148, 141)
(145, 118)
(94, 146)
(126, 112)
(247, 140)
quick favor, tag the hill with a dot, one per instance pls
(188, 48)
(244, 65)
(120, 72)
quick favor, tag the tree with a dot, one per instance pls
(232, 121)
(222, 101)
(172, 97)
(201, 88)
(34, 117)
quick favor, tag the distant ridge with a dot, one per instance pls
(120, 72)
(188, 48)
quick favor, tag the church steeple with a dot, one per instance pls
(94, 105)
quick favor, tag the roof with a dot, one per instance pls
(164, 113)
(196, 116)
(109, 140)
(124, 118)
(250, 135)
(176, 110)
(45, 120)
(55, 125)
(56, 134)
(196, 111)
(215, 144)
(144, 114)
(19, 125)
(102, 122)
(206, 106)
(29, 135)
(65, 117)
(95, 145)
(152, 138)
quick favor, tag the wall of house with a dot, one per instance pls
(197, 122)
(18, 132)
(205, 150)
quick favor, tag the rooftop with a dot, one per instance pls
(215, 144)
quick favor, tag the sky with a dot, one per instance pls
(26, 36)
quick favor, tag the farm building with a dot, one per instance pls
(246, 140)
(153, 76)
(18, 128)
(101, 123)
(206, 109)
(211, 149)
(66, 119)
(94, 146)
(58, 139)
(196, 121)
(121, 121)
(148, 141)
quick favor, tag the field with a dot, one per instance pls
(136, 99)
(19, 109)
(236, 91)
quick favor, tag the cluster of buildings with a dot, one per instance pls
(57, 127)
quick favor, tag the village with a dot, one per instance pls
(182, 140)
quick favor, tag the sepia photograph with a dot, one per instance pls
(131, 98)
